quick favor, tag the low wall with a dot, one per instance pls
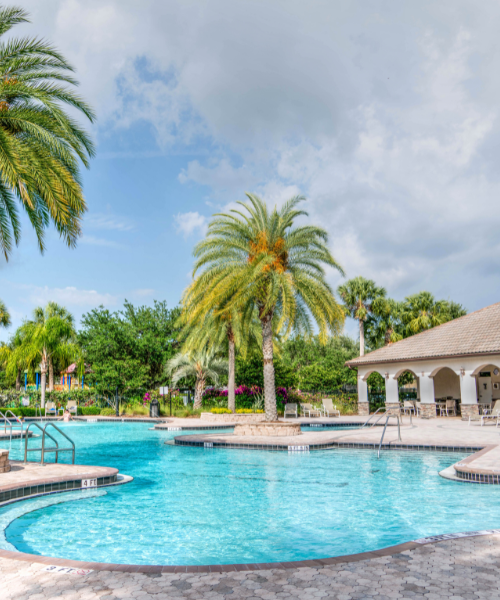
(232, 418)
(268, 429)
(4, 461)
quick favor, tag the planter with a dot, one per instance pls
(232, 418)
(268, 429)
(4, 461)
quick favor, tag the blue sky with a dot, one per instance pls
(385, 115)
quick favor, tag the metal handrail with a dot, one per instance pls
(43, 450)
(16, 418)
(371, 416)
(383, 432)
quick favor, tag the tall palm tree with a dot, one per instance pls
(48, 336)
(384, 325)
(202, 365)
(358, 295)
(60, 351)
(257, 259)
(421, 312)
(40, 144)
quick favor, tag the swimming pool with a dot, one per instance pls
(197, 506)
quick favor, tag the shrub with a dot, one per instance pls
(247, 411)
(89, 410)
(108, 412)
(220, 411)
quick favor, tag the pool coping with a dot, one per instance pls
(283, 565)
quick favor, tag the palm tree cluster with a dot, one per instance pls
(258, 276)
(49, 338)
(384, 320)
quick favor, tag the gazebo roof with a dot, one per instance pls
(474, 334)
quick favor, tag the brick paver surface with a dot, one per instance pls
(466, 568)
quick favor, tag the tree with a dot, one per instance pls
(202, 365)
(384, 325)
(128, 349)
(4, 315)
(256, 259)
(60, 351)
(48, 335)
(422, 312)
(40, 144)
(358, 295)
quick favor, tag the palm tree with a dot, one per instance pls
(60, 351)
(384, 325)
(422, 312)
(4, 315)
(256, 259)
(40, 144)
(47, 337)
(202, 365)
(358, 295)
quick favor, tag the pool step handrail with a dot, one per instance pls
(370, 417)
(385, 427)
(43, 449)
(8, 422)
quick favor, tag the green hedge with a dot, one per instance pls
(30, 412)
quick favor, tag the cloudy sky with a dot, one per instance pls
(383, 113)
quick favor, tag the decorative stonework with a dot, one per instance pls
(363, 409)
(392, 408)
(4, 461)
(469, 410)
(427, 411)
(268, 429)
(232, 418)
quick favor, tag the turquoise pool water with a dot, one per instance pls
(200, 506)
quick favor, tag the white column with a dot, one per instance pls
(427, 399)
(468, 390)
(391, 390)
(363, 406)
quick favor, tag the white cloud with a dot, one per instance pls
(190, 222)
(143, 293)
(108, 222)
(69, 296)
(95, 241)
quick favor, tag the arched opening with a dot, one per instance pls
(446, 388)
(375, 382)
(408, 385)
(487, 384)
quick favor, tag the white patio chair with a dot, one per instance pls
(495, 414)
(448, 408)
(308, 410)
(72, 407)
(290, 409)
(50, 409)
(408, 407)
(330, 408)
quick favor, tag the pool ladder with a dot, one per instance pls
(6, 421)
(43, 449)
(385, 427)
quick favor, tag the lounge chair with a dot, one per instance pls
(308, 410)
(50, 409)
(495, 414)
(408, 408)
(330, 408)
(72, 407)
(290, 409)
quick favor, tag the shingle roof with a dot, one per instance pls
(476, 333)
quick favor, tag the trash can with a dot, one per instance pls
(154, 409)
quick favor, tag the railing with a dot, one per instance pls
(385, 427)
(7, 421)
(371, 417)
(43, 449)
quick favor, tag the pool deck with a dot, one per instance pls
(456, 569)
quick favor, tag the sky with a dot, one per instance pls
(383, 114)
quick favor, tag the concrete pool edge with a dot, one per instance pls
(286, 565)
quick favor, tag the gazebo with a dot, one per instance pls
(459, 359)
(69, 377)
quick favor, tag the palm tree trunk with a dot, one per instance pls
(231, 398)
(199, 388)
(267, 351)
(18, 380)
(44, 379)
(51, 375)
(361, 337)
(388, 334)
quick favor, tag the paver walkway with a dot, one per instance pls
(466, 568)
